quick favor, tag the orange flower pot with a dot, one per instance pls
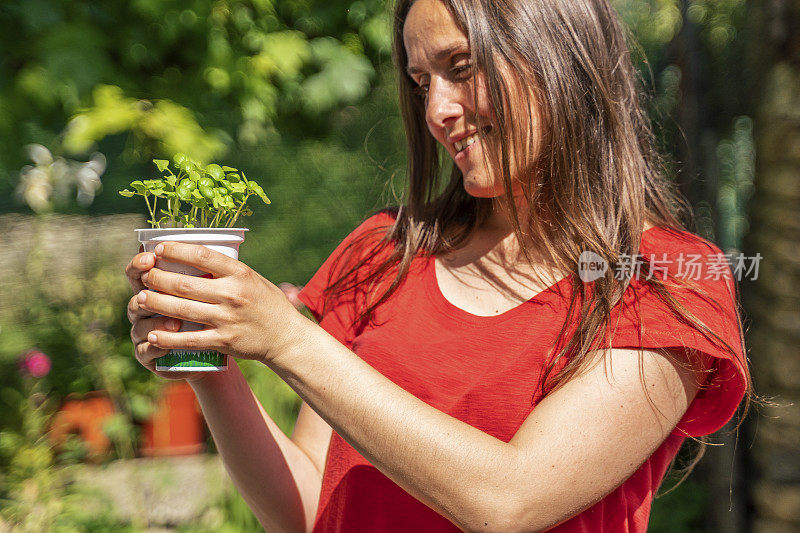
(176, 427)
(84, 417)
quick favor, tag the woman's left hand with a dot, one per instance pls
(246, 315)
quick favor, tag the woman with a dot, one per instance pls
(488, 356)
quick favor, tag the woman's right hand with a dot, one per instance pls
(143, 322)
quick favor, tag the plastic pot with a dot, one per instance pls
(223, 240)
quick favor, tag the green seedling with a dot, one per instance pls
(213, 196)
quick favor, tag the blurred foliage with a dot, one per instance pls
(204, 78)
(681, 510)
(300, 95)
(82, 330)
(737, 169)
(37, 495)
(655, 23)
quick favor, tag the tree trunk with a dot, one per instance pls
(773, 301)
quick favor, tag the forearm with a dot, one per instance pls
(449, 465)
(274, 476)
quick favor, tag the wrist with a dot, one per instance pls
(297, 333)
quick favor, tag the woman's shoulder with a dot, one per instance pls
(365, 245)
(372, 229)
(682, 254)
(662, 239)
(380, 219)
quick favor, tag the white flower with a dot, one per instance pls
(39, 154)
(52, 179)
(35, 188)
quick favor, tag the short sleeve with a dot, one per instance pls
(338, 319)
(646, 320)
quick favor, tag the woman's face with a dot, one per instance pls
(439, 63)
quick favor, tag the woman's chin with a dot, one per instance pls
(479, 189)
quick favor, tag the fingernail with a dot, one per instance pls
(145, 276)
(159, 249)
(151, 338)
(147, 258)
(173, 324)
(141, 297)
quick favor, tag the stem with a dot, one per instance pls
(176, 212)
(152, 214)
(235, 216)
(155, 203)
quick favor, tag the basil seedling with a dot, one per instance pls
(213, 196)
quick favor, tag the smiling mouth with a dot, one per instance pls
(466, 142)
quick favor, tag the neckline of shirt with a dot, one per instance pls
(451, 310)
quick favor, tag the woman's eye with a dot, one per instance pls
(462, 72)
(421, 91)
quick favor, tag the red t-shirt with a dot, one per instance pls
(485, 371)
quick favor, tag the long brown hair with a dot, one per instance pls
(596, 183)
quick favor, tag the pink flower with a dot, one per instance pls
(35, 363)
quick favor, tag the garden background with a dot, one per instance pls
(300, 95)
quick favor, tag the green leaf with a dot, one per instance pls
(188, 165)
(139, 186)
(126, 193)
(207, 192)
(215, 171)
(256, 188)
(344, 78)
(161, 164)
(229, 169)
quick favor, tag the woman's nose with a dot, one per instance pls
(443, 104)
